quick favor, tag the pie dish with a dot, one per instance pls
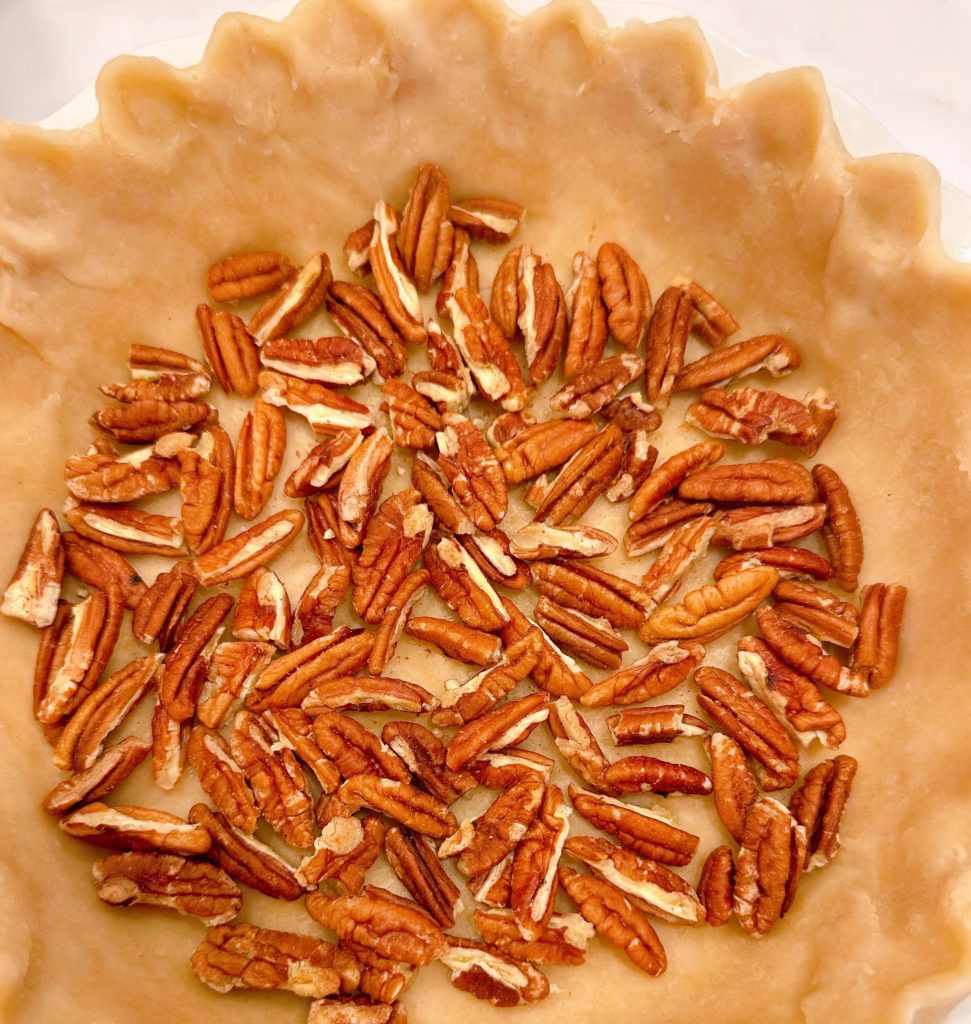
(280, 139)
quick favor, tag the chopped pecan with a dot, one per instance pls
(319, 603)
(423, 753)
(462, 272)
(591, 638)
(668, 477)
(388, 925)
(129, 530)
(187, 664)
(770, 352)
(298, 298)
(755, 526)
(632, 413)
(504, 768)
(414, 419)
(107, 771)
(230, 349)
(295, 729)
(711, 322)
(653, 888)
(169, 741)
(259, 453)
(240, 555)
(368, 693)
(734, 785)
(748, 721)
(463, 586)
(505, 725)
(276, 779)
(397, 293)
(563, 941)
(643, 774)
(656, 528)
(245, 858)
(635, 467)
(588, 318)
(581, 586)
(344, 851)
(777, 481)
(542, 446)
(625, 293)
(769, 863)
(149, 419)
(263, 610)
(322, 464)
(535, 862)
(222, 778)
(355, 750)
(206, 478)
(360, 486)
(538, 540)
(667, 336)
(245, 956)
(576, 742)
(103, 477)
(328, 360)
(798, 648)
(713, 609)
(841, 530)
(100, 567)
(492, 975)
(684, 546)
(493, 554)
(33, 591)
(584, 478)
(393, 541)
(233, 670)
(818, 610)
(818, 806)
(361, 315)
(194, 888)
(789, 563)
(663, 723)
(716, 884)
(136, 828)
(473, 646)
(356, 1010)
(645, 830)
(881, 618)
(420, 871)
(617, 919)
(243, 275)
(327, 411)
(424, 238)
(492, 220)
(394, 620)
(80, 742)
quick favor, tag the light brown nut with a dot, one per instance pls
(663, 723)
(245, 274)
(542, 316)
(818, 806)
(194, 888)
(222, 778)
(576, 742)
(419, 870)
(773, 481)
(322, 464)
(368, 693)
(881, 620)
(294, 729)
(684, 546)
(398, 294)
(711, 321)
(233, 670)
(245, 858)
(161, 373)
(187, 664)
(327, 411)
(539, 540)
(473, 471)
(463, 586)
(769, 352)
(135, 828)
(106, 772)
(841, 530)
(756, 526)
(394, 621)
(361, 315)
(591, 638)
(768, 866)
(206, 478)
(789, 563)
(424, 238)
(169, 741)
(748, 721)
(668, 477)
(128, 530)
(414, 419)
(735, 788)
(493, 554)
(382, 980)
(822, 613)
(584, 478)
(296, 300)
(450, 392)
(802, 651)
(100, 567)
(472, 646)
(542, 446)
(238, 556)
(344, 851)
(667, 336)
(492, 975)
(275, 777)
(33, 591)
(245, 956)
(462, 272)
(505, 725)
(632, 413)
(323, 532)
(563, 941)
(149, 419)
(289, 679)
(493, 886)
(259, 453)
(339, 361)
(444, 355)
(716, 884)
(643, 774)
(794, 697)
(507, 299)
(81, 741)
(355, 750)
(501, 769)
(319, 602)
(433, 486)
(617, 919)
(592, 591)
(713, 609)
(657, 527)
(653, 888)
(535, 861)
(356, 1010)
(492, 220)
(388, 925)
(625, 293)
(360, 486)
(423, 754)
(588, 319)
(230, 350)
(635, 467)
(393, 541)
(263, 610)
(102, 477)
(644, 829)
(483, 843)
(356, 247)
(150, 363)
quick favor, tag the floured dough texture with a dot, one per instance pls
(283, 138)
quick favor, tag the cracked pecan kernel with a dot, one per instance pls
(33, 591)
(684, 546)
(841, 530)
(105, 477)
(790, 563)
(424, 237)
(635, 467)
(591, 638)
(632, 413)
(325, 410)
(230, 349)
(360, 486)
(770, 352)
(661, 724)
(501, 769)
(655, 529)
(734, 786)
(463, 586)
(492, 975)
(222, 778)
(356, 1010)
(823, 614)
(169, 741)
(100, 567)
(106, 772)
(462, 272)
(643, 774)
(356, 247)
(755, 526)
(295, 301)
(233, 670)
(238, 556)
(344, 850)
(263, 610)
(588, 318)
(667, 337)
(491, 220)
(667, 478)
(715, 886)
(128, 530)
(414, 420)
(136, 828)
(538, 540)
(533, 883)
(583, 479)
(505, 725)
(339, 361)
(361, 315)
(423, 754)
(493, 554)
(355, 750)
(473, 471)
(186, 665)
(881, 617)
(711, 321)
(245, 274)
(625, 294)
(323, 532)
(398, 294)
(576, 742)
(419, 870)
(564, 940)
(542, 446)
(818, 806)
(322, 464)
(472, 646)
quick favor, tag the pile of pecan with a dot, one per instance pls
(269, 720)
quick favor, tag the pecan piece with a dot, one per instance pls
(493, 886)
(713, 609)
(259, 453)
(716, 884)
(136, 828)
(360, 486)
(243, 275)
(768, 866)
(711, 321)
(323, 531)
(33, 591)
(668, 477)
(588, 318)
(129, 530)
(643, 774)
(187, 664)
(632, 413)
(492, 220)
(881, 617)
(625, 293)
(463, 586)
(492, 975)
(230, 349)
(542, 446)
(100, 567)
(591, 638)
(433, 485)
(414, 419)
(656, 528)
(163, 374)
(645, 830)
(789, 563)
(462, 272)
(756, 526)
(770, 352)
(661, 724)
(423, 754)
(368, 693)
(538, 540)
(295, 729)
(776, 481)
(240, 555)
(586, 589)
(583, 479)
(344, 851)
(206, 476)
(504, 768)
(425, 236)
(492, 553)
(297, 299)
(319, 603)
(617, 919)
(103, 478)
(245, 956)
(222, 778)
(484, 349)
(149, 419)
(555, 672)
(322, 464)
(329, 360)
(841, 530)
(106, 772)
(667, 336)
(576, 742)
(504, 726)
(818, 806)
(233, 670)
(327, 411)
(355, 750)
(823, 614)
(356, 247)
(473, 646)
(684, 546)
(263, 610)
(535, 861)
(635, 467)
(361, 315)
(356, 1010)
(398, 294)
(169, 741)
(748, 721)
(393, 623)
(563, 941)
(734, 785)
(419, 870)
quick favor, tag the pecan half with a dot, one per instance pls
(233, 670)
(259, 453)
(33, 591)
(667, 336)
(555, 672)
(473, 646)
(591, 638)
(755, 526)
(684, 546)
(338, 360)
(538, 540)
(504, 726)
(625, 294)
(563, 941)
(542, 316)
(169, 740)
(419, 870)
(107, 771)
(661, 724)
(632, 413)
(577, 743)
(463, 586)
(716, 884)
(327, 411)
(542, 446)
(296, 300)
(414, 419)
(789, 563)
(748, 721)
(246, 274)
(504, 768)
(294, 729)
(776, 481)
(149, 419)
(230, 349)
(462, 272)
(163, 374)
(492, 220)
(355, 750)
(222, 778)
(881, 618)
(100, 567)
(635, 467)
(492, 553)
(263, 610)
(485, 350)
(823, 614)
(473, 471)
(240, 555)
(206, 478)
(769, 352)
(319, 602)
(193, 888)
(768, 866)
(734, 786)
(368, 693)
(361, 483)
(433, 485)
(584, 478)
(394, 620)
(643, 774)
(424, 238)
(397, 293)
(668, 477)
(655, 529)
(592, 591)
(361, 315)
(344, 851)
(129, 530)
(535, 861)
(103, 477)
(423, 754)
(841, 530)
(322, 464)
(187, 664)
(711, 322)
(136, 828)
(492, 975)
(323, 531)
(818, 806)
(588, 318)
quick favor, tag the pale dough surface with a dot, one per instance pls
(283, 138)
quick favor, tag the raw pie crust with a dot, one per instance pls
(282, 139)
